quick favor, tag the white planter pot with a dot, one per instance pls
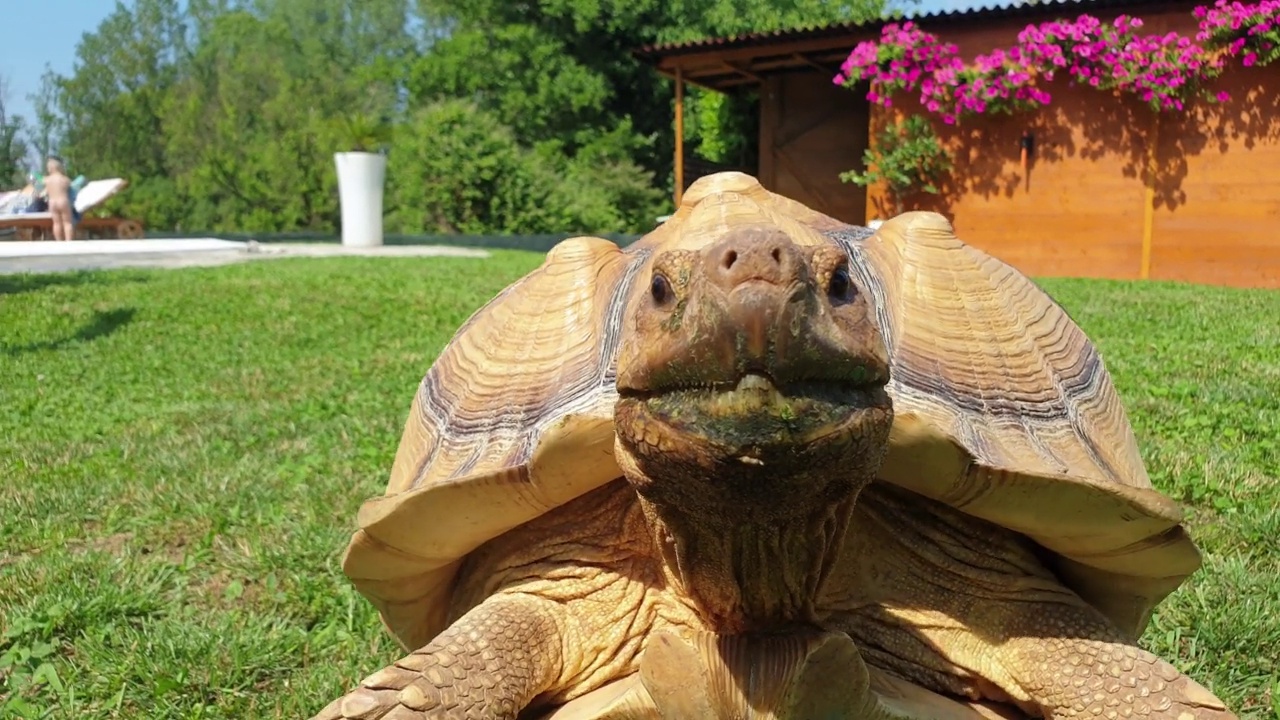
(360, 180)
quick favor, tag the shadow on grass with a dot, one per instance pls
(102, 323)
(32, 282)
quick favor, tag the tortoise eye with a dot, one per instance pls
(840, 287)
(660, 289)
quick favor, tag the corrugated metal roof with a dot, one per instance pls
(986, 11)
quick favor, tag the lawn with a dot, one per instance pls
(184, 452)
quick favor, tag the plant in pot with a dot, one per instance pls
(362, 174)
(907, 156)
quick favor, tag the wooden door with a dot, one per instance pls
(811, 131)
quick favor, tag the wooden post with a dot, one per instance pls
(1148, 212)
(679, 136)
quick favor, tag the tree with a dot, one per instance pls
(458, 168)
(267, 96)
(45, 135)
(13, 149)
(531, 80)
(226, 115)
(581, 81)
(112, 105)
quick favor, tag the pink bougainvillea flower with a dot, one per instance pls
(1163, 70)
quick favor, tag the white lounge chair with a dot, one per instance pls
(93, 194)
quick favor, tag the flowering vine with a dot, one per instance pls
(1250, 31)
(1163, 70)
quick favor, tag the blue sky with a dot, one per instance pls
(36, 32)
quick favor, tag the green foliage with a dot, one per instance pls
(692, 19)
(46, 131)
(27, 650)
(13, 149)
(243, 149)
(907, 156)
(722, 128)
(113, 103)
(603, 187)
(458, 168)
(185, 452)
(529, 78)
(226, 116)
(365, 133)
(591, 42)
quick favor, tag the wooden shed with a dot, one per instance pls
(1111, 189)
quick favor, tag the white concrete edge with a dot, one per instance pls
(46, 248)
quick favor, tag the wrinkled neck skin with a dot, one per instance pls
(751, 576)
(751, 556)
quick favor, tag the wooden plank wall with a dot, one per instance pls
(1082, 206)
(1217, 193)
(810, 132)
(1076, 211)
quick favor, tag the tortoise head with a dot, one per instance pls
(754, 367)
(751, 408)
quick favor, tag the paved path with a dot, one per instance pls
(48, 256)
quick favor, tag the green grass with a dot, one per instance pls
(183, 453)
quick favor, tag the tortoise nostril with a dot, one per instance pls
(750, 255)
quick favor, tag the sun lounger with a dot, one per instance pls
(92, 195)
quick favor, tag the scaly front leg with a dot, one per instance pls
(489, 664)
(1054, 660)
(967, 608)
(1068, 662)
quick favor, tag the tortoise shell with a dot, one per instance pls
(1003, 409)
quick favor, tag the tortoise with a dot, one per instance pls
(764, 463)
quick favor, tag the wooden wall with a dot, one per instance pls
(810, 132)
(1217, 191)
(1078, 207)
(1089, 203)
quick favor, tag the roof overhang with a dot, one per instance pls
(729, 63)
(727, 69)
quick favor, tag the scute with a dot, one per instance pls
(513, 419)
(710, 205)
(1004, 409)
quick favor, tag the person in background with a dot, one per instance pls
(58, 190)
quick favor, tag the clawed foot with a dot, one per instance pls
(487, 666)
(397, 692)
